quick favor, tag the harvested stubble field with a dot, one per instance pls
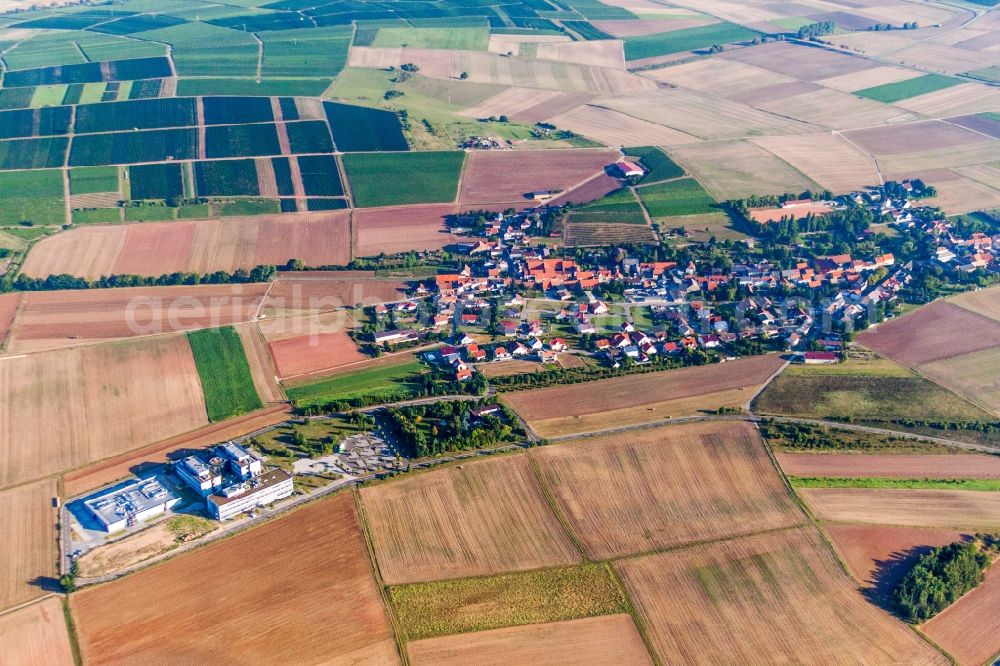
(64, 408)
(261, 365)
(828, 159)
(452, 523)
(310, 567)
(493, 177)
(934, 332)
(985, 302)
(760, 600)
(319, 291)
(508, 368)
(8, 309)
(914, 138)
(198, 246)
(592, 641)
(802, 62)
(951, 509)
(737, 169)
(615, 128)
(401, 229)
(440, 608)
(524, 105)
(960, 466)
(651, 489)
(28, 552)
(55, 319)
(970, 628)
(312, 353)
(36, 634)
(878, 556)
(972, 375)
(634, 399)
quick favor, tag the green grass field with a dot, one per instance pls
(685, 196)
(35, 196)
(688, 39)
(658, 165)
(97, 216)
(492, 602)
(894, 92)
(619, 207)
(225, 374)
(87, 180)
(388, 382)
(863, 392)
(455, 39)
(249, 86)
(983, 485)
(48, 95)
(390, 179)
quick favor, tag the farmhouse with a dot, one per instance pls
(819, 357)
(396, 336)
(627, 169)
(125, 506)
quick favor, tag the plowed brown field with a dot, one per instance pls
(64, 408)
(261, 364)
(934, 332)
(317, 291)
(592, 641)
(296, 589)
(401, 229)
(53, 319)
(970, 628)
(961, 466)
(8, 308)
(472, 520)
(28, 548)
(308, 354)
(650, 489)
(778, 598)
(491, 177)
(36, 635)
(629, 400)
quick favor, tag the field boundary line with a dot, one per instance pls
(794, 496)
(553, 503)
(74, 641)
(708, 542)
(5, 343)
(398, 636)
(30, 602)
(637, 619)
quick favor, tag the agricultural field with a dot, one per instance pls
(199, 246)
(319, 291)
(35, 196)
(586, 642)
(54, 319)
(225, 374)
(396, 380)
(721, 484)
(599, 234)
(958, 466)
(155, 181)
(862, 390)
(790, 577)
(426, 610)
(686, 39)
(969, 629)
(317, 557)
(66, 408)
(91, 180)
(737, 169)
(498, 177)
(946, 509)
(675, 198)
(430, 177)
(313, 352)
(357, 128)
(28, 554)
(37, 634)
(448, 523)
(576, 408)
(913, 87)
(620, 207)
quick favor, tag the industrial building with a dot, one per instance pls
(233, 481)
(125, 506)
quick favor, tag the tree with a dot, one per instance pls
(463, 75)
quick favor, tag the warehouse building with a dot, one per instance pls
(127, 505)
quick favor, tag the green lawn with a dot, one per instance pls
(688, 39)
(87, 180)
(389, 179)
(225, 374)
(894, 92)
(685, 196)
(985, 485)
(456, 39)
(48, 95)
(619, 207)
(491, 602)
(388, 382)
(32, 195)
(97, 216)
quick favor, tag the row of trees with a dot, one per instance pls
(262, 273)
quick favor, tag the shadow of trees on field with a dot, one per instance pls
(888, 572)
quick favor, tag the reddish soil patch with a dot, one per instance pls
(65, 318)
(36, 635)
(317, 239)
(155, 249)
(491, 177)
(970, 628)
(298, 589)
(94, 476)
(402, 228)
(798, 212)
(592, 190)
(774, 92)
(879, 556)
(934, 332)
(960, 466)
(321, 291)
(913, 137)
(8, 308)
(314, 353)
